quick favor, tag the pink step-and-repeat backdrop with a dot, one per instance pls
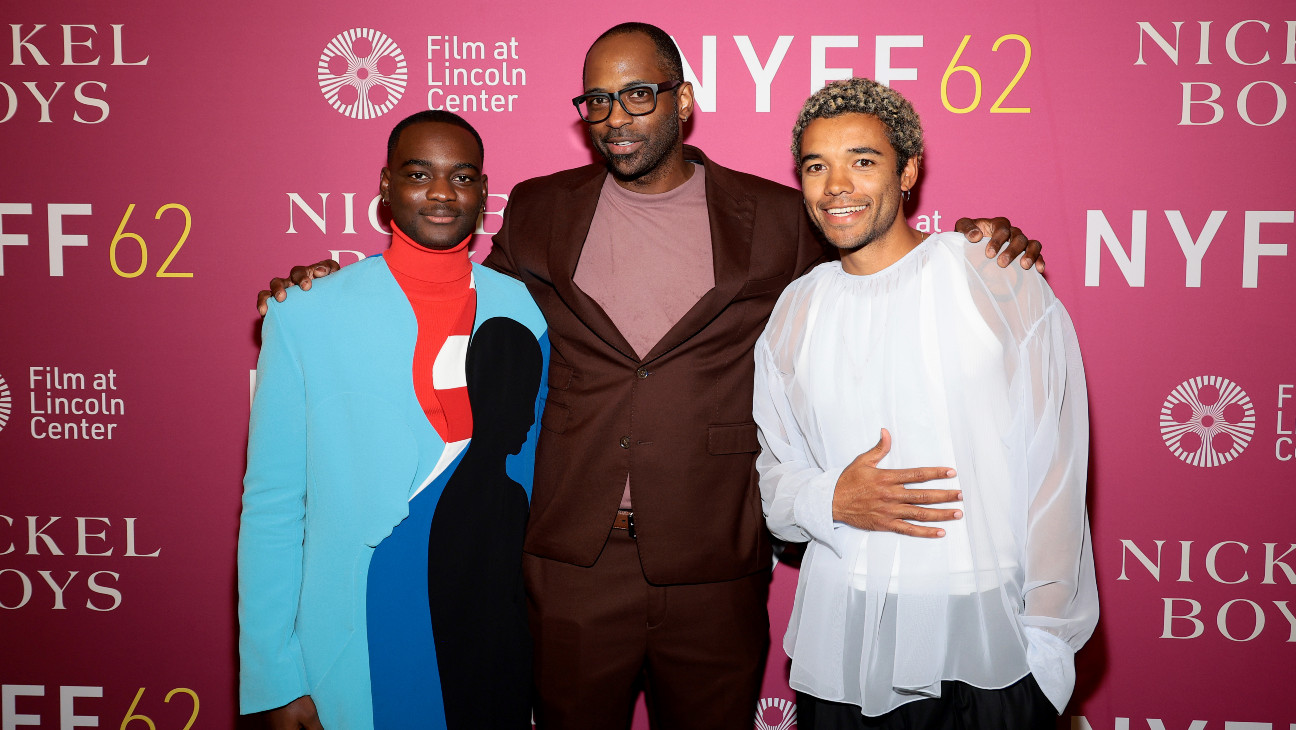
(160, 161)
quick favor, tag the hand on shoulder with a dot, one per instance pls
(298, 276)
(1004, 239)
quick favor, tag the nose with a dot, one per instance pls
(441, 189)
(838, 182)
(619, 116)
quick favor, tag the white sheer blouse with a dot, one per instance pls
(968, 366)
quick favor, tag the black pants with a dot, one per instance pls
(1019, 706)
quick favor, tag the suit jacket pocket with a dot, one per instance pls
(555, 415)
(733, 438)
(560, 375)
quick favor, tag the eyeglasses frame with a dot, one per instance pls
(615, 96)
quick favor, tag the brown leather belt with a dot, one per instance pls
(625, 521)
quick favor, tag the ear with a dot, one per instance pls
(384, 183)
(684, 101)
(909, 175)
(485, 190)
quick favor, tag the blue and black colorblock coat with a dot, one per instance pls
(380, 570)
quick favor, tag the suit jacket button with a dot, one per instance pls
(625, 442)
(642, 373)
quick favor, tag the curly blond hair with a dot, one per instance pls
(864, 96)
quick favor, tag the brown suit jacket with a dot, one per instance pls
(679, 421)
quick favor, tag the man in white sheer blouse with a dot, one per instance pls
(974, 621)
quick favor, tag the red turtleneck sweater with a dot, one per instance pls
(439, 287)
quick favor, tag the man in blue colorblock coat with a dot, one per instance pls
(346, 473)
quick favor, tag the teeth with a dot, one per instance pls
(845, 211)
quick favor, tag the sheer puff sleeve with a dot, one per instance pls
(796, 493)
(1061, 595)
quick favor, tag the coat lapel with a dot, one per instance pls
(732, 214)
(570, 228)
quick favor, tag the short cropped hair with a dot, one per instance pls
(668, 55)
(864, 96)
(432, 115)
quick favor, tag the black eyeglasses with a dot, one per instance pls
(637, 101)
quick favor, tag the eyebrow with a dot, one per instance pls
(628, 84)
(413, 162)
(853, 150)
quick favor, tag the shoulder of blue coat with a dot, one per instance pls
(365, 288)
(347, 281)
(503, 293)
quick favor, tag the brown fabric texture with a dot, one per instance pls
(697, 512)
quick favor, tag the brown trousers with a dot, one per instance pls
(602, 632)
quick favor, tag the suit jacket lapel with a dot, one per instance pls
(570, 228)
(732, 214)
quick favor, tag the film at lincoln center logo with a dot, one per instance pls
(362, 73)
(1207, 421)
(6, 403)
(774, 713)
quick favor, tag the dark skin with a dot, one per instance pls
(644, 153)
(870, 498)
(300, 713)
(434, 185)
(877, 499)
(436, 190)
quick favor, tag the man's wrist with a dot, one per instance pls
(813, 508)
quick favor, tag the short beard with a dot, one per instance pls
(869, 236)
(650, 157)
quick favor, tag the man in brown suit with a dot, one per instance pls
(647, 562)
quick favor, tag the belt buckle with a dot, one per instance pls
(626, 516)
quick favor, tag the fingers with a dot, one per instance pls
(901, 525)
(1017, 243)
(279, 288)
(1032, 256)
(301, 276)
(998, 230)
(905, 528)
(926, 514)
(1016, 240)
(917, 475)
(928, 496)
(881, 449)
(969, 228)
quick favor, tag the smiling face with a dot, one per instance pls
(644, 152)
(849, 180)
(434, 183)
